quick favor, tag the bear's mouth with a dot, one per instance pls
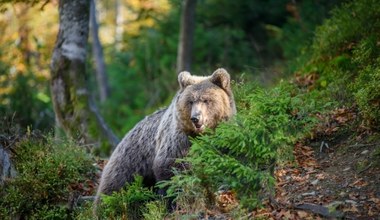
(199, 127)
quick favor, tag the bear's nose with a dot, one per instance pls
(194, 119)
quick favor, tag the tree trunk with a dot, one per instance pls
(185, 42)
(74, 109)
(97, 51)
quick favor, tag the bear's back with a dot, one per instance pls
(133, 155)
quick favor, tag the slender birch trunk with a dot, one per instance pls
(97, 52)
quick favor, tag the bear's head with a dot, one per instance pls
(203, 102)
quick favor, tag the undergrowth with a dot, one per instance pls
(133, 201)
(50, 174)
(128, 203)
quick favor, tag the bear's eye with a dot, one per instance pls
(191, 102)
(206, 101)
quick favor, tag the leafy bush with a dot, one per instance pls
(348, 25)
(367, 95)
(128, 203)
(241, 154)
(49, 174)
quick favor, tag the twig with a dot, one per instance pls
(362, 145)
(369, 166)
(44, 4)
(323, 144)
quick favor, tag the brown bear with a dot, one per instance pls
(152, 146)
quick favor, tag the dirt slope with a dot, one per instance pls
(336, 175)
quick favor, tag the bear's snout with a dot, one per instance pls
(195, 119)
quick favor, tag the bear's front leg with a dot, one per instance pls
(162, 166)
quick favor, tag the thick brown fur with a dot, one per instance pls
(152, 146)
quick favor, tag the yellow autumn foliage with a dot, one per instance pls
(27, 40)
(28, 33)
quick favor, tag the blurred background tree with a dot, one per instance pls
(98, 56)
(186, 35)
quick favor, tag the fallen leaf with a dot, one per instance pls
(226, 201)
(359, 183)
(302, 214)
(376, 201)
(352, 208)
(371, 212)
(320, 176)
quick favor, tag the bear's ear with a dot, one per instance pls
(221, 78)
(184, 79)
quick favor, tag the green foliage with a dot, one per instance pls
(142, 77)
(155, 210)
(231, 33)
(298, 31)
(229, 50)
(367, 95)
(241, 154)
(48, 173)
(366, 88)
(27, 100)
(127, 203)
(85, 211)
(348, 25)
(188, 190)
(128, 96)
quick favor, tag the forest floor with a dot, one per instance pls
(336, 174)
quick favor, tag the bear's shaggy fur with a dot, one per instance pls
(152, 146)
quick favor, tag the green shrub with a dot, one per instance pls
(49, 173)
(366, 87)
(155, 210)
(349, 24)
(128, 203)
(368, 95)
